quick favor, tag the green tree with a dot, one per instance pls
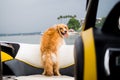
(60, 18)
(73, 24)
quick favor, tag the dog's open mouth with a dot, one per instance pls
(65, 33)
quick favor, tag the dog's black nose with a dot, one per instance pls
(65, 31)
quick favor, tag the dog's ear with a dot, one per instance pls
(58, 29)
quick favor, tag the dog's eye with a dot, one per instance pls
(66, 28)
(60, 28)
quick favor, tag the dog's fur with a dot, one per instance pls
(51, 41)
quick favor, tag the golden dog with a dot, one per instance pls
(51, 41)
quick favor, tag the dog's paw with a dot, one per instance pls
(48, 74)
(57, 74)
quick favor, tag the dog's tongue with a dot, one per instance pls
(65, 35)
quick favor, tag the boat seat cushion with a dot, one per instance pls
(28, 61)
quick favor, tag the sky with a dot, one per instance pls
(24, 16)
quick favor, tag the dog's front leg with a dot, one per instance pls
(56, 69)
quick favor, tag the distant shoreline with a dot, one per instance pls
(18, 34)
(33, 33)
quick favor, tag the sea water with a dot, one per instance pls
(34, 39)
